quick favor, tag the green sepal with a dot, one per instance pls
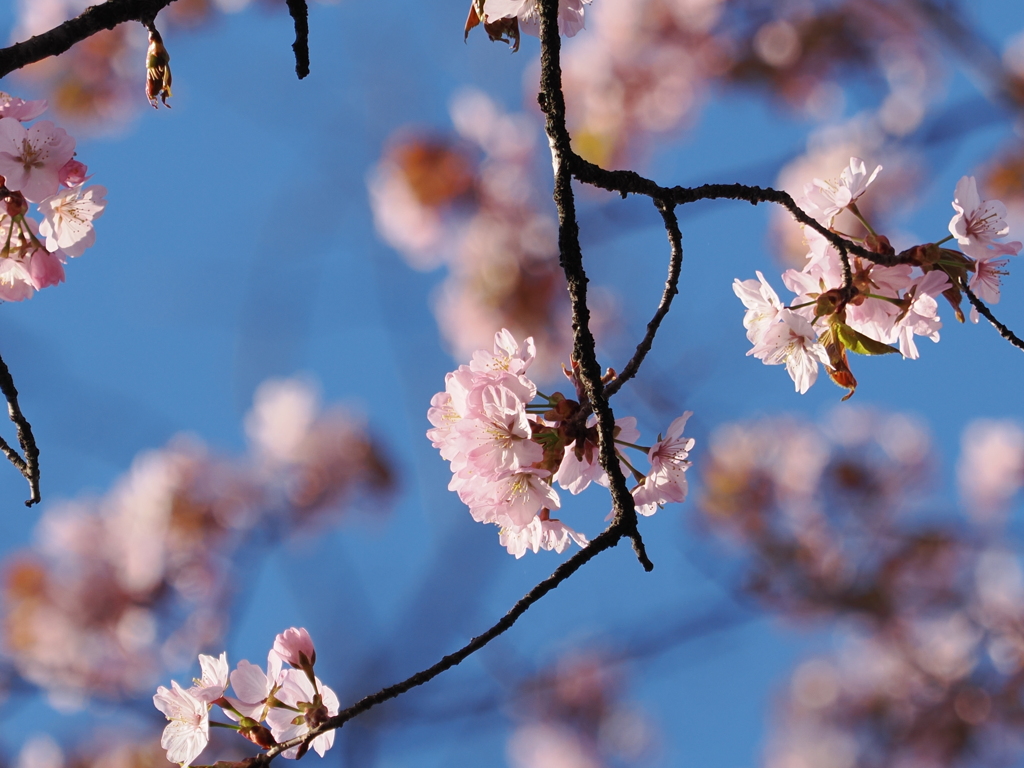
(859, 343)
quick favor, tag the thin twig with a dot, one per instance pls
(614, 533)
(552, 102)
(675, 239)
(29, 464)
(632, 183)
(300, 15)
(1005, 332)
(92, 20)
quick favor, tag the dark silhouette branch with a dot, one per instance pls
(28, 464)
(300, 15)
(675, 239)
(92, 20)
(552, 103)
(983, 310)
(630, 182)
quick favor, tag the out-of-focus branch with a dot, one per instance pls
(300, 15)
(28, 464)
(675, 239)
(92, 20)
(552, 103)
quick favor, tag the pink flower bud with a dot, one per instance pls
(73, 173)
(296, 647)
(45, 269)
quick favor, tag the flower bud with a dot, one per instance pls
(295, 646)
(73, 173)
(879, 244)
(259, 735)
(15, 204)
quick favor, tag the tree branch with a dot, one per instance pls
(92, 20)
(608, 539)
(300, 15)
(552, 102)
(29, 464)
(675, 239)
(1005, 332)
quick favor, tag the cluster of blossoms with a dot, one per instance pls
(875, 306)
(930, 653)
(508, 444)
(127, 583)
(37, 165)
(291, 701)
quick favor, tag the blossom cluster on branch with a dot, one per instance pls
(291, 701)
(846, 303)
(38, 165)
(508, 444)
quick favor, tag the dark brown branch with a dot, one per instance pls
(552, 102)
(632, 183)
(300, 15)
(606, 540)
(29, 464)
(675, 239)
(92, 20)
(1005, 332)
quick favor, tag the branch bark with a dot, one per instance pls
(92, 20)
(28, 464)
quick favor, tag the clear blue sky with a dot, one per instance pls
(238, 244)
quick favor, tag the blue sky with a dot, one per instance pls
(238, 244)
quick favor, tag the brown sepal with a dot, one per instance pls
(505, 30)
(259, 735)
(879, 244)
(474, 18)
(158, 70)
(839, 368)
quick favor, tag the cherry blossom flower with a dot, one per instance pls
(188, 732)
(68, 217)
(825, 199)
(539, 534)
(214, 680)
(922, 316)
(570, 14)
(295, 646)
(313, 706)
(978, 223)
(514, 497)
(507, 355)
(31, 158)
(793, 342)
(666, 480)
(581, 467)
(253, 687)
(45, 269)
(19, 109)
(500, 434)
(762, 303)
(73, 173)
